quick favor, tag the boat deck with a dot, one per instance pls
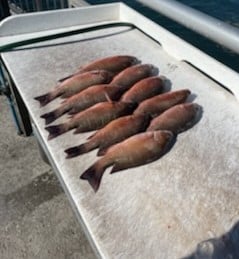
(156, 207)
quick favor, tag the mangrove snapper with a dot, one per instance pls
(135, 151)
(114, 132)
(75, 84)
(176, 119)
(144, 89)
(92, 118)
(114, 64)
(131, 75)
(157, 104)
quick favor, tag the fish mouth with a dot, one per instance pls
(197, 107)
(169, 137)
(171, 140)
(136, 61)
(154, 70)
(198, 111)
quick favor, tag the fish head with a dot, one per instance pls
(165, 140)
(187, 92)
(183, 94)
(192, 113)
(197, 108)
(150, 69)
(197, 112)
(107, 75)
(192, 108)
(153, 70)
(161, 136)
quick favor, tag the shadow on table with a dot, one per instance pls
(223, 247)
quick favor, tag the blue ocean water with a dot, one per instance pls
(225, 10)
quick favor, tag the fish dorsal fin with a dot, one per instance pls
(107, 97)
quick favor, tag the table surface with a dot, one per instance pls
(160, 210)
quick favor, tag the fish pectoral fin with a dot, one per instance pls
(107, 97)
(56, 130)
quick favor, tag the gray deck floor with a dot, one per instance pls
(36, 220)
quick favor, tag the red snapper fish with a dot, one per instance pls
(84, 100)
(176, 119)
(93, 118)
(144, 89)
(131, 75)
(134, 151)
(113, 64)
(75, 84)
(159, 103)
(114, 132)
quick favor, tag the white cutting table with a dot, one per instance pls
(163, 209)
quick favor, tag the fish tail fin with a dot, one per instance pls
(48, 97)
(44, 99)
(93, 175)
(53, 115)
(56, 130)
(50, 116)
(76, 151)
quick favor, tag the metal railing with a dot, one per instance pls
(210, 27)
(4, 9)
(21, 6)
